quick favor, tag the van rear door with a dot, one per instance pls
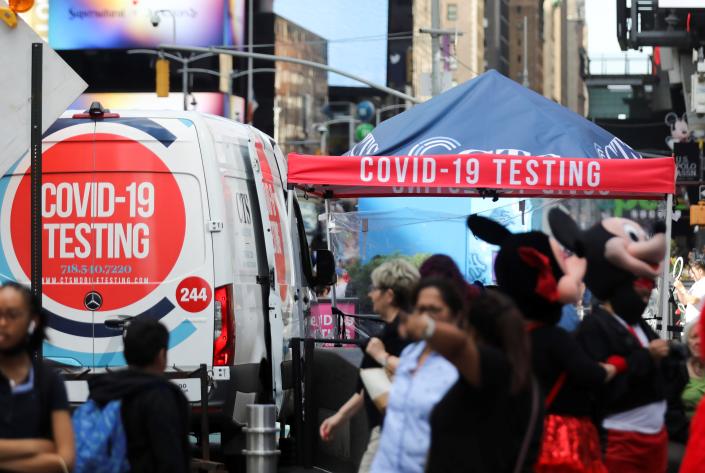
(273, 222)
(157, 262)
(130, 236)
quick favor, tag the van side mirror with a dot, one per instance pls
(325, 268)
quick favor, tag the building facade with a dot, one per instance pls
(526, 60)
(565, 58)
(496, 41)
(290, 98)
(300, 92)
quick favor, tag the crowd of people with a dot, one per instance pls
(479, 379)
(485, 379)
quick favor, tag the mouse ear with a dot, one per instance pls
(566, 231)
(487, 229)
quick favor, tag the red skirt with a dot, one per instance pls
(569, 445)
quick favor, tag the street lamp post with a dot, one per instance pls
(324, 129)
(378, 114)
(233, 75)
(185, 61)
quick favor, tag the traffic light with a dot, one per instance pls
(162, 79)
(365, 111)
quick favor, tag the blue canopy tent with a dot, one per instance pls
(492, 114)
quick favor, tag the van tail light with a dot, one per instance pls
(223, 327)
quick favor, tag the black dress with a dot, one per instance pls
(480, 429)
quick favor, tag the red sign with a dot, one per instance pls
(113, 221)
(274, 216)
(193, 294)
(472, 175)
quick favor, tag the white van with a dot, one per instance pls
(173, 216)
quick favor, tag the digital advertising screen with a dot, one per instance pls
(124, 24)
(206, 102)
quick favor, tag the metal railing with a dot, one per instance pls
(624, 64)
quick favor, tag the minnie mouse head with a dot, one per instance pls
(533, 269)
(622, 261)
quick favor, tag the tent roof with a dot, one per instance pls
(469, 175)
(491, 114)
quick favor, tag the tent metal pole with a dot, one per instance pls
(329, 243)
(665, 314)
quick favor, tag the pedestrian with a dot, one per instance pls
(622, 264)
(154, 411)
(694, 297)
(443, 266)
(694, 458)
(35, 424)
(422, 378)
(487, 420)
(695, 387)
(392, 283)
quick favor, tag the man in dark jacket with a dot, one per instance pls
(154, 410)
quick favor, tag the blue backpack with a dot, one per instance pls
(101, 445)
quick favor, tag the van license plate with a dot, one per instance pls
(191, 387)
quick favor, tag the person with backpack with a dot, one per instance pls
(35, 424)
(136, 419)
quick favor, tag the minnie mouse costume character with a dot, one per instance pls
(533, 269)
(622, 264)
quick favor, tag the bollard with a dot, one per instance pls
(261, 437)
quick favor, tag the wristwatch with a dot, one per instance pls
(430, 328)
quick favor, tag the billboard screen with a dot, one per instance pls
(206, 102)
(122, 24)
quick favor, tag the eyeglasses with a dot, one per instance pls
(429, 310)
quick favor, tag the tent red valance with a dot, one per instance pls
(479, 174)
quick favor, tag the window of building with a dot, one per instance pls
(452, 12)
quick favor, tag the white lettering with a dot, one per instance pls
(534, 179)
(499, 162)
(365, 175)
(65, 240)
(401, 170)
(64, 206)
(548, 163)
(48, 189)
(576, 173)
(383, 169)
(514, 171)
(593, 174)
(51, 228)
(429, 170)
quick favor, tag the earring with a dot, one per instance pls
(32, 327)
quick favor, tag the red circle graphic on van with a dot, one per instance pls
(113, 221)
(193, 294)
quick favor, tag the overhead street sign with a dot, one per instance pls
(61, 86)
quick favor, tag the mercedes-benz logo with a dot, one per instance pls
(93, 301)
